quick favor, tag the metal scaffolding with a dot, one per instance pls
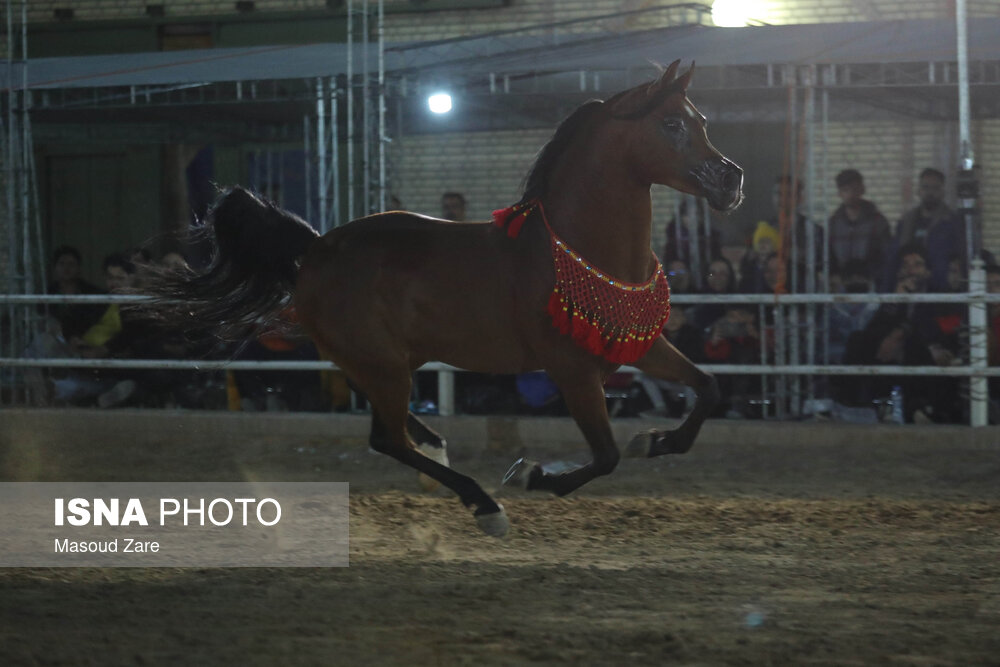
(24, 255)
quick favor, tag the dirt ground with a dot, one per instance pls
(866, 553)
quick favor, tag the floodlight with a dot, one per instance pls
(439, 102)
(734, 13)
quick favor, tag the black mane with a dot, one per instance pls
(537, 181)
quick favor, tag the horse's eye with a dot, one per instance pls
(674, 124)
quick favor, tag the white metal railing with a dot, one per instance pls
(446, 395)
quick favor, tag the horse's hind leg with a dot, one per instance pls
(430, 444)
(665, 362)
(389, 397)
(584, 397)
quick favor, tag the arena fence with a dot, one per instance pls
(788, 372)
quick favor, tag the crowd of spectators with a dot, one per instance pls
(923, 252)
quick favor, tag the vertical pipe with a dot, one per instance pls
(824, 193)
(321, 153)
(382, 138)
(29, 282)
(446, 393)
(966, 153)
(366, 131)
(349, 110)
(8, 173)
(781, 390)
(978, 386)
(810, 230)
(307, 167)
(335, 150)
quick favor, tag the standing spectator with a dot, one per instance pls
(915, 225)
(453, 206)
(933, 226)
(858, 231)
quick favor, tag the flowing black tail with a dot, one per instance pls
(256, 252)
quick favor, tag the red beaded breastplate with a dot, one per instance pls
(616, 320)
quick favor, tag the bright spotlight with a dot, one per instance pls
(734, 13)
(439, 102)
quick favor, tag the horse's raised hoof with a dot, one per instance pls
(494, 524)
(640, 445)
(520, 473)
(438, 455)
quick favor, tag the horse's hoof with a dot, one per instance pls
(640, 445)
(520, 473)
(437, 454)
(494, 524)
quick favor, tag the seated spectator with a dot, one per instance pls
(73, 318)
(80, 386)
(764, 243)
(279, 390)
(718, 279)
(887, 340)
(858, 231)
(679, 277)
(847, 318)
(734, 339)
(993, 340)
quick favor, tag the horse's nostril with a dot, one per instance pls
(733, 178)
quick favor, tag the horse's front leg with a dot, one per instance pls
(665, 362)
(584, 396)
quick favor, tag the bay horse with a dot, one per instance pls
(384, 294)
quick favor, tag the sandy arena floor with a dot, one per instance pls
(859, 554)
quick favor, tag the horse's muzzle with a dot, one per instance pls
(722, 181)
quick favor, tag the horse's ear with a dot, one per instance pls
(668, 75)
(635, 101)
(685, 79)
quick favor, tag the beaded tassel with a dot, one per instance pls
(615, 320)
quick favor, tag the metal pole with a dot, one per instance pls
(335, 148)
(366, 129)
(824, 193)
(350, 110)
(446, 393)
(382, 137)
(321, 152)
(307, 166)
(978, 386)
(966, 154)
(810, 230)
(8, 173)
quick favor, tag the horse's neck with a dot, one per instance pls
(604, 216)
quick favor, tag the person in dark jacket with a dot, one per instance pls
(858, 230)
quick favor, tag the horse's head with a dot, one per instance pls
(667, 142)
